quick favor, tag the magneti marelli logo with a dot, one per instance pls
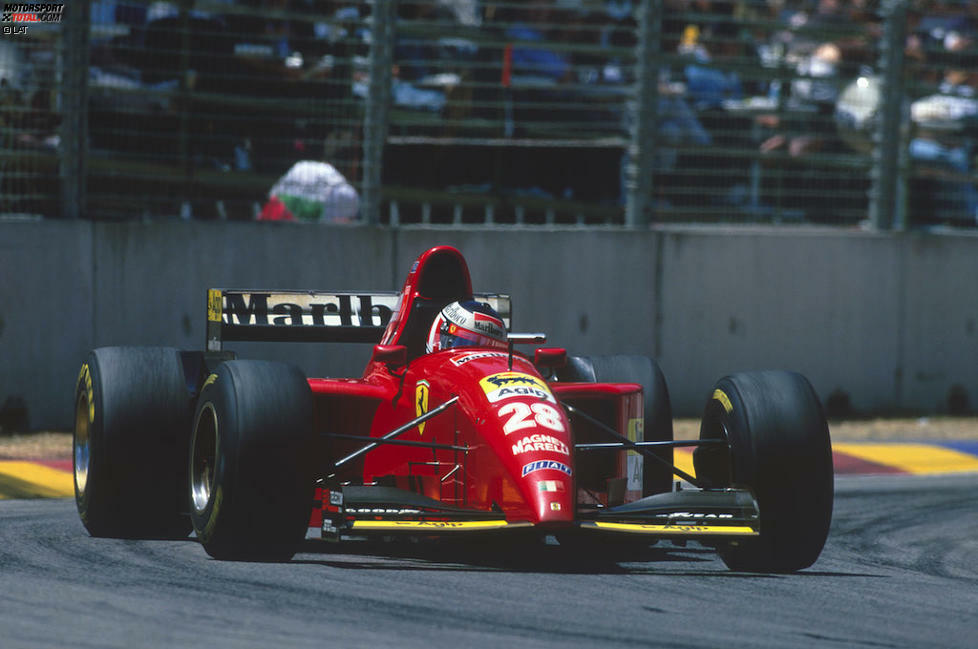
(19, 16)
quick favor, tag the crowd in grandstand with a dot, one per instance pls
(744, 85)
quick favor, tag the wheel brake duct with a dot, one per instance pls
(640, 447)
(397, 432)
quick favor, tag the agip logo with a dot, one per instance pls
(506, 385)
(18, 15)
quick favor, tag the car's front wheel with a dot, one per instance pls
(251, 465)
(778, 446)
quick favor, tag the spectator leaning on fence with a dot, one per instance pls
(944, 145)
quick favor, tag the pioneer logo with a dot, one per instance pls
(695, 516)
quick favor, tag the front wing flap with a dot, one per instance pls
(372, 509)
(718, 513)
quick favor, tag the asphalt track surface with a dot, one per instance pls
(900, 569)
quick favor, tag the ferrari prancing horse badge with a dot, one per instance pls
(421, 402)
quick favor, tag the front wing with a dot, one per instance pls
(706, 515)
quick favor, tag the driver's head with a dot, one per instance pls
(467, 324)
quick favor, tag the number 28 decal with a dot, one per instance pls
(520, 414)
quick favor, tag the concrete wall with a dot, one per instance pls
(938, 320)
(152, 280)
(46, 317)
(822, 303)
(889, 319)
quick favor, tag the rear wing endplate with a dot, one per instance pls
(308, 316)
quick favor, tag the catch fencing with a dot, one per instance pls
(589, 112)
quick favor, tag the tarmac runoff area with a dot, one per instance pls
(39, 465)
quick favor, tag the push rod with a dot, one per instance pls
(400, 442)
(397, 432)
(674, 444)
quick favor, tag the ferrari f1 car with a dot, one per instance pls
(470, 441)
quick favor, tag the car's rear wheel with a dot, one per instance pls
(131, 434)
(657, 477)
(251, 465)
(778, 446)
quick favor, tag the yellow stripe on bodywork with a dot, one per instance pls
(679, 530)
(444, 526)
(912, 458)
(30, 480)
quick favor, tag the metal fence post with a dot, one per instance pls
(377, 104)
(185, 91)
(74, 108)
(643, 109)
(885, 208)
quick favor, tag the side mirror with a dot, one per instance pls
(395, 355)
(527, 339)
(550, 357)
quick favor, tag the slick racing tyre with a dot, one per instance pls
(778, 446)
(656, 476)
(130, 443)
(251, 468)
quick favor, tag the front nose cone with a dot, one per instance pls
(552, 495)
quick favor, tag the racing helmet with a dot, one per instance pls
(467, 324)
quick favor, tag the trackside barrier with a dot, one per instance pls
(878, 322)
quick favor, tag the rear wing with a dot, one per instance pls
(308, 316)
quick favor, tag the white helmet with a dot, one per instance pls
(467, 324)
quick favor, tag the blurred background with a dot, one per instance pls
(472, 111)
(724, 185)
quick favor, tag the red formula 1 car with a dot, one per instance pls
(472, 440)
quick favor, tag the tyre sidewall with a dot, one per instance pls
(260, 501)
(780, 449)
(97, 487)
(217, 399)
